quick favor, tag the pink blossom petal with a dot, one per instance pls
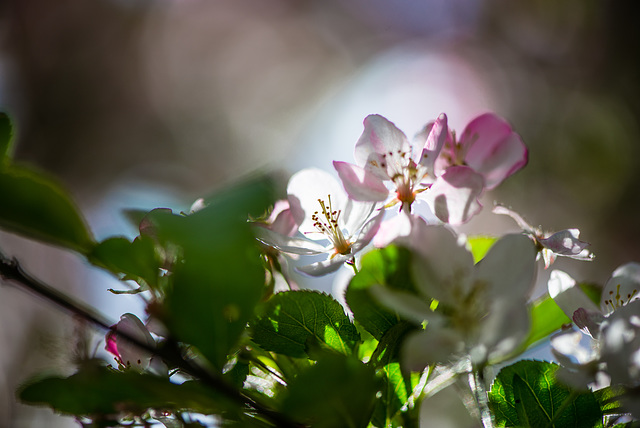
(565, 242)
(110, 343)
(131, 354)
(436, 134)
(281, 219)
(493, 149)
(379, 137)
(454, 195)
(361, 184)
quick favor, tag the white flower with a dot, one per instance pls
(615, 328)
(324, 212)
(481, 308)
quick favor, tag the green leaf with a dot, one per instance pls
(135, 259)
(35, 206)
(291, 319)
(6, 137)
(218, 278)
(526, 394)
(546, 317)
(397, 385)
(607, 398)
(480, 245)
(390, 267)
(100, 390)
(336, 392)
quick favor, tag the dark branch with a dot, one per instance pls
(10, 270)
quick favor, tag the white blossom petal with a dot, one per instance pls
(288, 244)
(453, 197)
(379, 137)
(567, 295)
(330, 265)
(509, 267)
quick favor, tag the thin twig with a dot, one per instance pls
(10, 270)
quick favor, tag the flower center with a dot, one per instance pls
(616, 301)
(326, 222)
(404, 173)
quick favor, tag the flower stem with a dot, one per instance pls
(352, 263)
(479, 391)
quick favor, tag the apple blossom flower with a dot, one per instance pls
(489, 146)
(619, 290)
(480, 307)
(614, 328)
(279, 220)
(564, 243)
(323, 212)
(487, 152)
(128, 354)
(383, 154)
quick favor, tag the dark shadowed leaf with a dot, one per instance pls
(6, 137)
(336, 392)
(97, 389)
(35, 206)
(137, 259)
(218, 278)
(390, 267)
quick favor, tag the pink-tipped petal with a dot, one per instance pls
(493, 149)
(379, 137)
(361, 184)
(111, 345)
(454, 195)
(565, 242)
(281, 219)
(437, 135)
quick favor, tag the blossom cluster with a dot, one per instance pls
(468, 311)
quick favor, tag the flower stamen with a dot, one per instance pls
(617, 301)
(326, 222)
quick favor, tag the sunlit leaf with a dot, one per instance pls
(526, 394)
(291, 319)
(546, 317)
(480, 245)
(37, 207)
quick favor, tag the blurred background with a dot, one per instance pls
(140, 103)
